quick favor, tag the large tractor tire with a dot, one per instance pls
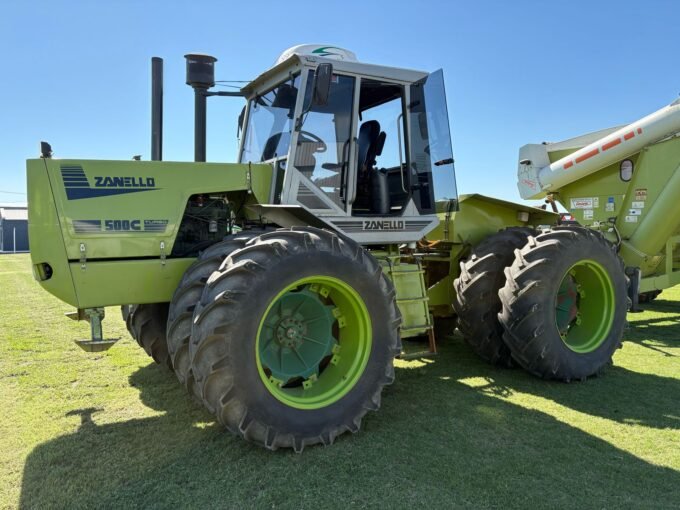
(125, 312)
(188, 294)
(146, 324)
(295, 338)
(564, 304)
(477, 302)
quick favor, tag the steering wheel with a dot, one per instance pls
(312, 138)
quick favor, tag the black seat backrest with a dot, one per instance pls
(380, 143)
(369, 132)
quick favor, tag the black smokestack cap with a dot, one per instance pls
(200, 70)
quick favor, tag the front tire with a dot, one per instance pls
(564, 304)
(186, 297)
(295, 338)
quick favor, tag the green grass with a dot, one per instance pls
(109, 430)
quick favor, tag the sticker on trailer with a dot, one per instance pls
(641, 194)
(609, 206)
(635, 212)
(637, 205)
(587, 214)
(582, 203)
(631, 219)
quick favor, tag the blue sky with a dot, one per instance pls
(77, 73)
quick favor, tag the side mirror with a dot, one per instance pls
(322, 84)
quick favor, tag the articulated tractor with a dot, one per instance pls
(279, 288)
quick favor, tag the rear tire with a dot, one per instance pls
(186, 297)
(263, 305)
(564, 304)
(146, 324)
(477, 302)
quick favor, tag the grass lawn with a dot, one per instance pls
(112, 429)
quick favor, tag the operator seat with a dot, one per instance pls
(368, 138)
(372, 190)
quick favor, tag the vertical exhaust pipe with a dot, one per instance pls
(200, 76)
(156, 109)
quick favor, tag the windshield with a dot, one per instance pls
(270, 122)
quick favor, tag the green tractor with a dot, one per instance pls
(279, 288)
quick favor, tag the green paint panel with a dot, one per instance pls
(158, 205)
(109, 283)
(45, 236)
(479, 216)
(646, 208)
(95, 210)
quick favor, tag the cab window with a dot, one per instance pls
(322, 150)
(270, 123)
(381, 187)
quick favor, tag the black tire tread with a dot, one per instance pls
(477, 303)
(188, 294)
(522, 314)
(146, 324)
(215, 318)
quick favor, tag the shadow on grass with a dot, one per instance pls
(657, 333)
(435, 442)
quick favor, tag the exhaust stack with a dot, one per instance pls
(156, 109)
(200, 76)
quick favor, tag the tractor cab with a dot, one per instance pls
(363, 149)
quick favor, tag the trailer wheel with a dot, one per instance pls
(295, 338)
(564, 304)
(188, 294)
(477, 302)
(146, 324)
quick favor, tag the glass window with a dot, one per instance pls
(322, 150)
(380, 149)
(432, 171)
(270, 123)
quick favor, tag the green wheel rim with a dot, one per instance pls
(313, 342)
(585, 306)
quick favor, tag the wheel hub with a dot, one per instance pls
(584, 306)
(298, 336)
(567, 304)
(291, 331)
(313, 342)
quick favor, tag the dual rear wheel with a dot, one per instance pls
(554, 304)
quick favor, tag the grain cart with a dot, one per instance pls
(279, 288)
(622, 184)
